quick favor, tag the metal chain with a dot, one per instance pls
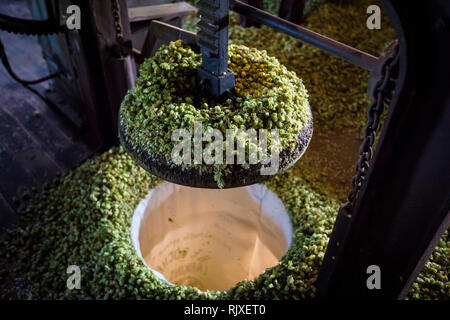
(380, 94)
(117, 21)
(124, 47)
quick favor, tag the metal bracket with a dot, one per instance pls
(214, 75)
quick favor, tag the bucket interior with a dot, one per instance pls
(209, 238)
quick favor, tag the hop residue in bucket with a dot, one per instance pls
(209, 238)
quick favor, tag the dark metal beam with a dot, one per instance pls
(403, 208)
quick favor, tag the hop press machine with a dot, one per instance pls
(399, 202)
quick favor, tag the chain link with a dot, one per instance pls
(117, 21)
(123, 47)
(381, 93)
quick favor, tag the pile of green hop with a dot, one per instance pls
(84, 219)
(433, 282)
(162, 101)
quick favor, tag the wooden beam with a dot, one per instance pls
(160, 12)
(110, 74)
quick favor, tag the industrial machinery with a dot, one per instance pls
(399, 203)
(214, 79)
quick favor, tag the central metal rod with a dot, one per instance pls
(355, 56)
(213, 76)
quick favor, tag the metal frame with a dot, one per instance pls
(403, 208)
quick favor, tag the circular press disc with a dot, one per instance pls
(194, 177)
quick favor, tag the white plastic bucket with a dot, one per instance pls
(208, 238)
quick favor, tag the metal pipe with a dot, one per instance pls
(353, 55)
